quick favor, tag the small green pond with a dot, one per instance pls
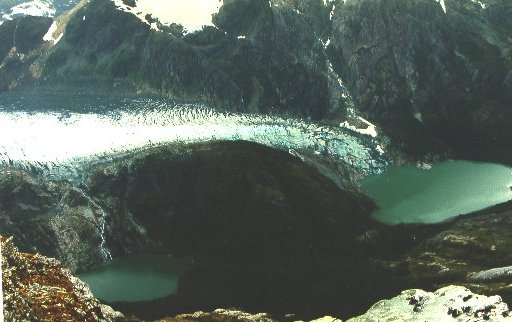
(136, 278)
(413, 195)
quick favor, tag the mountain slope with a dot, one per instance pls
(411, 62)
(434, 80)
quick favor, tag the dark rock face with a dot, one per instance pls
(21, 44)
(451, 70)
(250, 218)
(229, 191)
(279, 65)
(54, 219)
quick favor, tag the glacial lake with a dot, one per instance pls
(136, 278)
(413, 195)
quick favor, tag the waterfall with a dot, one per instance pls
(106, 255)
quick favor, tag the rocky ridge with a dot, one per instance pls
(37, 288)
(451, 303)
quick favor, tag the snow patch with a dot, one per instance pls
(423, 165)
(332, 12)
(191, 14)
(49, 35)
(441, 2)
(31, 8)
(418, 116)
(371, 130)
(331, 69)
(482, 5)
(241, 37)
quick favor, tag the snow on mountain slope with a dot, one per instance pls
(12, 8)
(191, 14)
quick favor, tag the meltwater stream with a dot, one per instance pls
(59, 135)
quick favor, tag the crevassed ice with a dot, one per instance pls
(61, 145)
(191, 14)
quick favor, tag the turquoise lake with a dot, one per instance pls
(413, 195)
(136, 278)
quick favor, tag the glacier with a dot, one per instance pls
(59, 138)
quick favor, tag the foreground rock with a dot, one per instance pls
(220, 315)
(451, 303)
(37, 288)
(473, 251)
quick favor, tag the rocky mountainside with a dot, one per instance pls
(419, 69)
(36, 288)
(447, 68)
(248, 216)
(450, 304)
(472, 251)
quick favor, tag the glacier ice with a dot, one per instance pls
(56, 141)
